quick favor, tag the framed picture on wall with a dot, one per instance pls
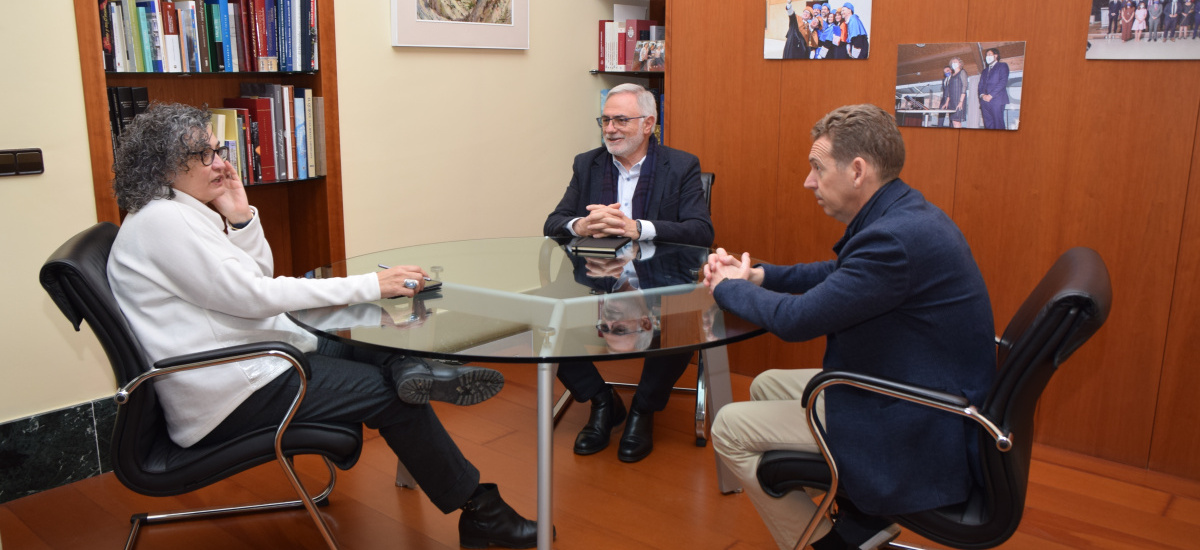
(502, 24)
(812, 30)
(1143, 29)
(960, 85)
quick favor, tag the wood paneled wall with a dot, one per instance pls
(1105, 157)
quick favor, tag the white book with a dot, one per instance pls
(622, 12)
(172, 53)
(120, 55)
(610, 45)
(234, 43)
(297, 37)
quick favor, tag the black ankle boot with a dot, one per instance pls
(419, 382)
(487, 520)
(638, 438)
(608, 412)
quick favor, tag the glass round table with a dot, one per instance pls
(536, 300)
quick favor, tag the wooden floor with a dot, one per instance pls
(668, 500)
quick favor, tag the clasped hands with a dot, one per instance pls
(722, 265)
(606, 221)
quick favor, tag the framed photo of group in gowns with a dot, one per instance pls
(817, 30)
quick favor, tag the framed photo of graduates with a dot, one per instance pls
(1143, 29)
(833, 29)
(960, 85)
(461, 23)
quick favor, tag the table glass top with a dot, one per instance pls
(531, 299)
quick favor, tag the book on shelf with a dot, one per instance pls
(318, 127)
(310, 132)
(658, 32)
(289, 122)
(228, 41)
(189, 45)
(621, 12)
(273, 93)
(301, 139)
(621, 53)
(271, 31)
(601, 62)
(610, 46)
(141, 99)
(216, 38)
(123, 48)
(229, 133)
(120, 111)
(262, 121)
(107, 38)
(170, 37)
(233, 38)
(598, 246)
(245, 51)
(155, 55)
(145, 49)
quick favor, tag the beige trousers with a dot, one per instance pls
(774, 419)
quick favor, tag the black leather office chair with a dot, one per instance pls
(143, 456)
(1069, 305)
(707, 179)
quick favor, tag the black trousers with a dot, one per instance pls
(659, 374)
(350, 384)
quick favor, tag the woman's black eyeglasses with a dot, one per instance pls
(206, 154)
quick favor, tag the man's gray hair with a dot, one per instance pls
(645, 99)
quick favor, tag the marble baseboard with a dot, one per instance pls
(55, 448)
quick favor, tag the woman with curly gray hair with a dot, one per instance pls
(192, 271)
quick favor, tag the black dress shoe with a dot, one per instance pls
(487, 520)
(638, 439)
(608, 411)
(418, 382)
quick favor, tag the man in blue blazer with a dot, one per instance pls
(993, 90)
(903, 300)
(636, 188)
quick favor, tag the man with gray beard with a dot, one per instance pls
(631, 187)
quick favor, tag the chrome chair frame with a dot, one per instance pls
(309, 503)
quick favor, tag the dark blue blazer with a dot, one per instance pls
(994, 81)
(676, 204)
(903, 300)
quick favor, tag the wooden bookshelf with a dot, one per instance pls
(302, 219)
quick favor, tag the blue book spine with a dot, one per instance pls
(301, 140)
(270, 24)
(285, 34)
(228, 49)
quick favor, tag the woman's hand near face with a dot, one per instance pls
(233, 203)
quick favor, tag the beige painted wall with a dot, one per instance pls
(46, 365)
(437, 144)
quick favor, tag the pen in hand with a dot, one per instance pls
(389, 267)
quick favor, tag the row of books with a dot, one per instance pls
(164, 36)
(632, 45)
(277, 131)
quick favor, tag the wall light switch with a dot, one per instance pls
(30, 162)
(8, 163)
(19, 162)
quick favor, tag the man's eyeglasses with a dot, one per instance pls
(206, 154)
(619, 122)
(615, 329)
